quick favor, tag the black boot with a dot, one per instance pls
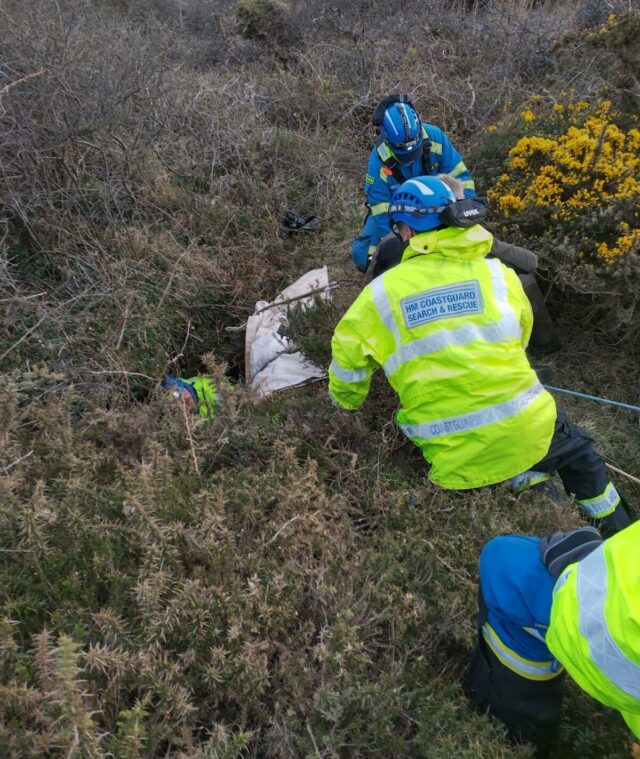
(614, 522)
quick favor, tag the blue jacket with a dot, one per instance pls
(379, 185)
(518, 591)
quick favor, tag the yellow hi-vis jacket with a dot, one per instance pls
(449, 328)
(594, 630)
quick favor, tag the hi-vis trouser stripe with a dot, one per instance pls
(507, 328)
(379, 208)
(348, 375)
(532, 670)
(527, 480)
(591, 589)
(601, 505)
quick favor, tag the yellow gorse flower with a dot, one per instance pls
(590, 166)
(626, 243)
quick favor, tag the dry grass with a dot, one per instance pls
(281, 581)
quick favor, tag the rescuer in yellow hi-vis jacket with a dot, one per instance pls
(566, 601)
(449, 326)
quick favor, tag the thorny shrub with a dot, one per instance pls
(260, 585)
(248, 607)
(562, 175)
(267, 20)
(570, 189)
(280, 581)
(140, 204)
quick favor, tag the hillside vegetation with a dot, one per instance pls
(280, 581)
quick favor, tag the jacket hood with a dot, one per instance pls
(469, 243)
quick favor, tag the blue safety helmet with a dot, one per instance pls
(402, 130)
(418, 202)
(176, 384)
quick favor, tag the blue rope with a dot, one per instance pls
(594, 398)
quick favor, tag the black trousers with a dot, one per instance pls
(581, 469)
(530, 709)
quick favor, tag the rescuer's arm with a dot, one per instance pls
(451, 161)
(353, 362)
(520, 303)
(378, 196)
(521, 260)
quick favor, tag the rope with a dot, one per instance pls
(623, 473)
(594, 398)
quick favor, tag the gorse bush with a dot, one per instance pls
(267, 20)
(571, 190)
(250, 608)
(131, 192)
(291, 596)
(280, 581)
(564, 179)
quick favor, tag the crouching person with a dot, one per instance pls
(449, 326)
(565, 602)
(524, 262)
(197, 393)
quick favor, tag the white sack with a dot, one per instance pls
(270, 360)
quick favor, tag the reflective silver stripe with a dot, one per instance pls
(563, 578)
(379, 208)
(500, 288)
(464, 422)
(381, 302)
(527, 480)
(527, 668)
(603, 504)
(495, 333)
(458, 169)
(508, 328)
(536, 634)
(591, 587)
(348, 375)
(501, 294)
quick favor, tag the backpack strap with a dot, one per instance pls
(390, 163)
(426, 152)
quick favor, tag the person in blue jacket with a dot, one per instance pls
(406, 147)
(512, 674)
